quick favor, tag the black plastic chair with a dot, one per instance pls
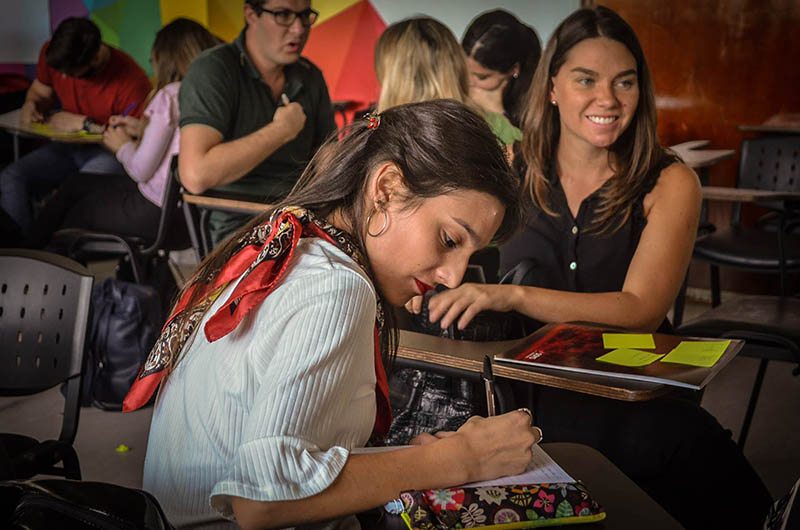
(767, 163)
(84, 245)
(44, 312)
(770, 326)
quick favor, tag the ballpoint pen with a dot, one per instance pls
(488, 382)
(126, 111)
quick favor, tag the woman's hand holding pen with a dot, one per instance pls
(114, 138)
(289, 118)
(132, 126)
(496, 446)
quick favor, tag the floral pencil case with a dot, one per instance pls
(501, 507)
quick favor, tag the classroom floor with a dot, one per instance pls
(773, 445)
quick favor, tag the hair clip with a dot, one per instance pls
(373, 120)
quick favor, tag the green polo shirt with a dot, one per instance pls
(224, 90)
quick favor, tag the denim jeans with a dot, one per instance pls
(41, 171)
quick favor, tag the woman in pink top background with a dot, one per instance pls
(129, 204)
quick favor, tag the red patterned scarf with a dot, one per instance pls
(261, 257)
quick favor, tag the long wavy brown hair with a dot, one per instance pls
(635, 154)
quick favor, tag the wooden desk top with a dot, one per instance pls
(10, 122)
(468, 356)
(699, 158)
(771, 129)
(721, 193)
(228, 205)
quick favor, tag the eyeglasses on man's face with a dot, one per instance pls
(286, 17)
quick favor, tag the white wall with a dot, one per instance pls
(543, 15)
(24, 27)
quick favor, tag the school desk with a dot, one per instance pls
(10, 122)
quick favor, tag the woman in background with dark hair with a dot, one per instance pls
(610, 228)
(502, 54)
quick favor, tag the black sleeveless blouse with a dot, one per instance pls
(566, 255)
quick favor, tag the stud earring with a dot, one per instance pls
(554, 102)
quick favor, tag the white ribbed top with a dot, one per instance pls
(270, 411)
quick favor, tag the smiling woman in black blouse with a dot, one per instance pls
(610, 228)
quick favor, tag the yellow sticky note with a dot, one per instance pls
(697, 353)
(630, 357)
(628, 340)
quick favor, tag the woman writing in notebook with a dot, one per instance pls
(273, 359)
(129, 204)
(609, 231)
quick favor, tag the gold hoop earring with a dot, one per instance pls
(379, 204)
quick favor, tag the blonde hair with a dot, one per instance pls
(419, 59)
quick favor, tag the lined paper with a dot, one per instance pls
(541, 470)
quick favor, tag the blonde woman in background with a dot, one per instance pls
(419, 59)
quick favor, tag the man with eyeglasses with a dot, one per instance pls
(253, 112)
(80, 82)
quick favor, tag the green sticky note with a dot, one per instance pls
(697, 353)
(630, 357)
(628, 340)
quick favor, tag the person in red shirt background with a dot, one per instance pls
(80, 82)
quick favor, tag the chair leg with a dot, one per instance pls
(751, 405)
(72, 468)
(716, 299)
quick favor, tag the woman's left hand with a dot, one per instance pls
(468, 300)
(115, 137)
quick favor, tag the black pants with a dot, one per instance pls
(101, 203)
(671, 447)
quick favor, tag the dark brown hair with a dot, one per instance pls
(440, 146)
(497, 40)
(73, 46)
(636, 153)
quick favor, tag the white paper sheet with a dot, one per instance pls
(541, 470)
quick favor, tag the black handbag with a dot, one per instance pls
(126, 321)
(76, 505)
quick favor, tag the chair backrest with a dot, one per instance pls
(171, 235)
(44, 315)
(44, 310)
(770, 163)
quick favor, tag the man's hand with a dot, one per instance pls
(290, 119)
(66, 122)
(29, 113)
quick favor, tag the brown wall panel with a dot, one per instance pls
(716, 65)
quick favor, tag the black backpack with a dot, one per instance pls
(126, 321)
